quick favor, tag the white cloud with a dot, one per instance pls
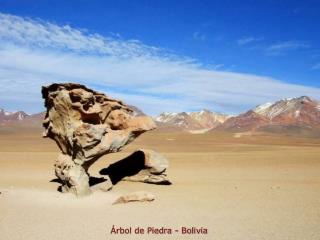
(247, 40)
(283, 47)
(35, 53)
(40, 34)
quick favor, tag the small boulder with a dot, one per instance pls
(140, 196)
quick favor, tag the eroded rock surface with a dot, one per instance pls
(86, 124)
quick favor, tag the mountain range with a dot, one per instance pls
(20, 118)
(292, 115)
(190, 121)
(6, 116)
(296, 116)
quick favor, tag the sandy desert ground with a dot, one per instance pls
(246, 188)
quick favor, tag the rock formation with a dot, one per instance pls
(144, 165)
(87, 124)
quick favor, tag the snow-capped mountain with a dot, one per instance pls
(20, 120)
(293, 108)
(6, 116)
(298, 112)
(189, 121)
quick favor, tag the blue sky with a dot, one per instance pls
(226, 56)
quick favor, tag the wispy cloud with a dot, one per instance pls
(199, 36)
(34, 53)
(282, 48)
(45, 35)
(247, 40)
(316, 66)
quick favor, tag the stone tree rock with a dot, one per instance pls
(86, 125)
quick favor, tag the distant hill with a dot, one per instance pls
(19, 121)
(6, 116)
(297, 116)
(190, 121)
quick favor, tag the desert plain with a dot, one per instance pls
(238, 187)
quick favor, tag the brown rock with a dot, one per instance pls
(85, 125)
(140, 196)
(154, 169)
